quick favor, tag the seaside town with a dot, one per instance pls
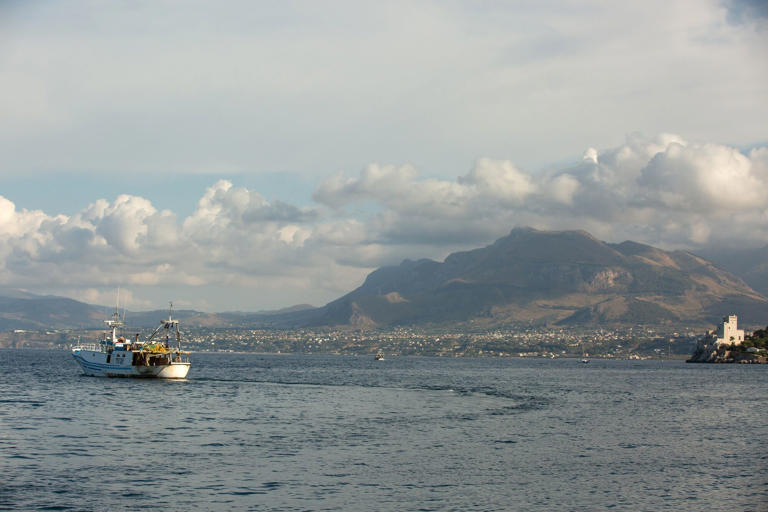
(520, 341)
(725, 344)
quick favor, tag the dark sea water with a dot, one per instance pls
(311, 432)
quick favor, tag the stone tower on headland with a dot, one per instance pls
(728, 332)
(723, 345)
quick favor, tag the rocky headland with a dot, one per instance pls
(729, 345)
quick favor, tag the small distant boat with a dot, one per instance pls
(584, 354)
(114, 356)
(379, 356)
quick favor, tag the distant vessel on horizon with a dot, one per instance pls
(115, 356)
(379, 356)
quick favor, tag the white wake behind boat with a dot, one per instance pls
(115, 356)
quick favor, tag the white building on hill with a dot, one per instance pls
(728, 332)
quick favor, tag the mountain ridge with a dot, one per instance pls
(529, 276)
(541, 276)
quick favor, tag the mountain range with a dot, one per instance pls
(565, 277)
(529, 276)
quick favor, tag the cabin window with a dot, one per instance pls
(109, 356)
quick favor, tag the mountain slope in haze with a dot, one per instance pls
(751, 265)
(565, 277)
(27, 311)
(21, 310)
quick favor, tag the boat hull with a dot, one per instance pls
(100, 364)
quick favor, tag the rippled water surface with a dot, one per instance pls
(292, 432)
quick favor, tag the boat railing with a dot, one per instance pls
(94, 347)
(180, 357)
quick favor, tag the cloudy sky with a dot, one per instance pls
(239, 155)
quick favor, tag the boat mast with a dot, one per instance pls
(167, 325)
(174, 324)
(115, 322)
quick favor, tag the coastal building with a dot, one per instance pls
(728, 332)
(715, 346)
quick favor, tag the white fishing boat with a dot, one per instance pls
(115, 356)
(380, 356)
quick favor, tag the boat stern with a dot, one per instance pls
(174, 371)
